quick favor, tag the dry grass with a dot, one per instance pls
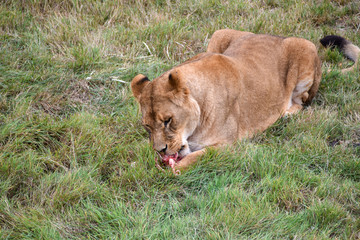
(75, 162)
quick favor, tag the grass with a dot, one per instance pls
(75, 162)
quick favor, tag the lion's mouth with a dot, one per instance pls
(172, 159)
(169, 160)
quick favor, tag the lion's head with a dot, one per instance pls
(169, 113)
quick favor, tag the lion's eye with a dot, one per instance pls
(166, 122)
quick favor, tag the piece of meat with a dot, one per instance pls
(169, 160)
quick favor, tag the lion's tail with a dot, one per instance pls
(350, 50)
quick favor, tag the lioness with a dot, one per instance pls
(240, 86)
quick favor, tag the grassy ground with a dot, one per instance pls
(75, 162)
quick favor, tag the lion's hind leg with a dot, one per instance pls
(299, 96)
(304, 75)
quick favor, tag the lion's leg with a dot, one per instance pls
(299, 95)
(189, 159)
(295, 108)
(303, 74)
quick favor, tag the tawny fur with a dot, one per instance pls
(241, 85)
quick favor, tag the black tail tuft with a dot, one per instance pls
(346, 47)
(334, 41)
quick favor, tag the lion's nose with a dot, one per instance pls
(160, 149)
(164, 149)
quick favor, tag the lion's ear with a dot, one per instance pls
(177, 84)
(137, 85)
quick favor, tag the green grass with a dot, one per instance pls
(74, 159)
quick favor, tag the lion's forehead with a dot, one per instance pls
(156, 103)
(156, 111)
(155, 100)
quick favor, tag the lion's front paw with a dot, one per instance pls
(184, 163)
(176, 171)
